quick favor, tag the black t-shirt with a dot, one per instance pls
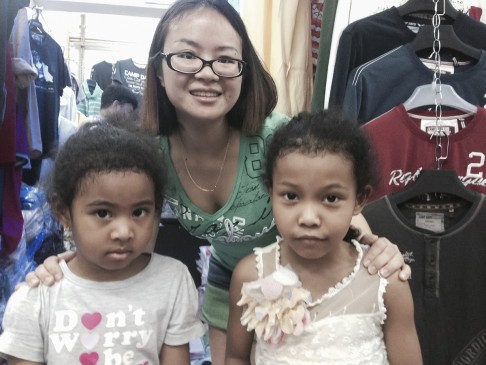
(448, 276)
(102, 73)
(131, 75)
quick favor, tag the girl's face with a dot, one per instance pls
(313, 201)
(113, 221)
(203, 96)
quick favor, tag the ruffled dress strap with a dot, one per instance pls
(267, 258)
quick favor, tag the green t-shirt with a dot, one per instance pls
(246, 220)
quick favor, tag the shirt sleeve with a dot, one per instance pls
(352, 97)
(346, 53)
(22, 335)
(185, 324)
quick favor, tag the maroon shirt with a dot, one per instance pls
(404, 149)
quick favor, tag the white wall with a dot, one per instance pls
(107, 38)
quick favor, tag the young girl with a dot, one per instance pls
(116, 304)
(308, 294)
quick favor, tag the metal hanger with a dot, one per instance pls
(425, 38)
(35, 24)
(436, 37)
(438, 182)
(435, 182)
(427, 7)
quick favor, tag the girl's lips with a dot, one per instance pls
(309, 240)
(119, 254)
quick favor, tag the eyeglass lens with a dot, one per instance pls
(224, 67)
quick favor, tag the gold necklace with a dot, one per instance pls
(220, 169)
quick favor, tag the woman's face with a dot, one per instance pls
(203, 96)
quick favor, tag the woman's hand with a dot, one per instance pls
(49, 272)
(385, 257)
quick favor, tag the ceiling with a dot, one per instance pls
(141, 8)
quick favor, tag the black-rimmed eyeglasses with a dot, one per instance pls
(188, 63)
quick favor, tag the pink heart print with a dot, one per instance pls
(91, 320)
(89, 358)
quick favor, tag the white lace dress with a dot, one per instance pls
(345, 324)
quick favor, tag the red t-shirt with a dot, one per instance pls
(404, 146)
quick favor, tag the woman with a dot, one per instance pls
(209, 98)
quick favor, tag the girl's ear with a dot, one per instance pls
(65, 220)
(361, 200)
(61, 211)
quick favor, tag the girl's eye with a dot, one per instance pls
(102, 213)
(331, 198)
(290, 196)
(140, 212)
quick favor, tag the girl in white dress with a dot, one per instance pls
(307, 299)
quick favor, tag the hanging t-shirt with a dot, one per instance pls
(51, 79)
(7, 15)
(389, 80)
(449, 276)
(26, 98)
(317, 7)
(373, 36)
(11, 220)
(130, 74)
(404, 147)
(91, 104)
(102, 73)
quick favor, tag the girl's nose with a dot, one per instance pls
(122, 230)
(309, 215)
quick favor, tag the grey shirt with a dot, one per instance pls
(80, 321)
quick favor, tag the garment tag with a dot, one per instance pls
(431, 221)
(413, 26)
(442, 127)
(445, 69)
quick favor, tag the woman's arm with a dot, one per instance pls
(402, 343)
(48, 272)
(383, 256)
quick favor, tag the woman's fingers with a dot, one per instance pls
(49, 272)
(385, 257)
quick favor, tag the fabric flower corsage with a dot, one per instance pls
(275, 306)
